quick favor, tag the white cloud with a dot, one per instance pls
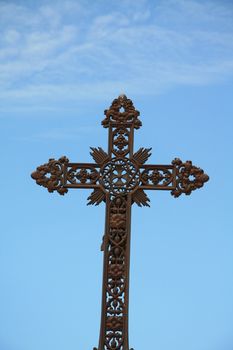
(70, 51)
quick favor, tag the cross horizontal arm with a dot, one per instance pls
(59, 175)
(158, 177)
(178, 177)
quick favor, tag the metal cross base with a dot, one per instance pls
(119, 178)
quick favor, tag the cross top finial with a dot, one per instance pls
(122, 112)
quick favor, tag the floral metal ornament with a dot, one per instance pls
(118, 177)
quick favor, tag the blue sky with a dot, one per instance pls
(61, 65)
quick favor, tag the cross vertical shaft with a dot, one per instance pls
(115, 289)
(121, 119)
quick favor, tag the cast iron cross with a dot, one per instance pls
(119, 178)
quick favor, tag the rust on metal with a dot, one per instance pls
(118, 177)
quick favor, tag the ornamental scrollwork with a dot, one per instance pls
(99, 155)
(116, 243)
(156, 177)
(140, 198)
(51, 175)
(120, 141)
(82, 175)
(96, 197)
(122, 112)
(119, 176)
(142, 155)
(188, 177)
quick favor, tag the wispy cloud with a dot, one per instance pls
(66, 51)
(60, 134)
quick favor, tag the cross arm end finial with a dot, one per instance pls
(188, 177)
(51, 175)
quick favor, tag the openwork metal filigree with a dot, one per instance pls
(119, 178)
(116, 280)
(51, 175)
(120, 175)
(188, 177)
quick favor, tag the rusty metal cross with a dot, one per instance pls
(119, 178)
